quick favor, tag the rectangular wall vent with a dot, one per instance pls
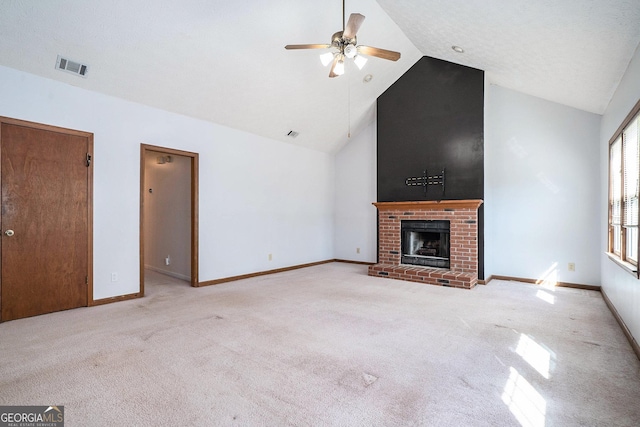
(293, 133)
(72, 67)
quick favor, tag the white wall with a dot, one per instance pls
(257, 196)
(355, 191)
(622, 288)
(542, 201)
(167, 215)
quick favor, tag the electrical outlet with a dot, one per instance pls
(270, 257)
(114, 277)
(357, 250)
(167, 260)
(572, 266)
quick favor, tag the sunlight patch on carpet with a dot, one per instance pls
(524, 401)
(539, 357)
(546, 296)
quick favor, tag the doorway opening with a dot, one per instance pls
(168, 213)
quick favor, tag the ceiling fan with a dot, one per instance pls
(347, 44)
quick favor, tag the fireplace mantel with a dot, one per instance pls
(429, 204)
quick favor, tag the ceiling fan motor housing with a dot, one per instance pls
(340, 42)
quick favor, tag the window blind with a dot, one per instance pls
(631, 170)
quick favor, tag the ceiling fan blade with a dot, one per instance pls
(333, 67)
(355, 20)
(307, 46)
(380, 53)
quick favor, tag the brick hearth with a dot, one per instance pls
(463, 218)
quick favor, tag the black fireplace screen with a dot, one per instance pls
(425, 243)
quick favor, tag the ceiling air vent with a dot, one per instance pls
(72, 67)
(293, 133)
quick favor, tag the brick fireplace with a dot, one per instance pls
(462, 216)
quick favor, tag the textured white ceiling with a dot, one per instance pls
(225, 61)
(569, 51)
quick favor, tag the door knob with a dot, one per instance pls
(9, 233)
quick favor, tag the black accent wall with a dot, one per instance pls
(433, 118)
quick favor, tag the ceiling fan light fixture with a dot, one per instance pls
(360, 60)
(339, 68)
(350, 51)
(326, 58)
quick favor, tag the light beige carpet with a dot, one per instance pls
(328, 345)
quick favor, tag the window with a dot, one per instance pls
(624, 191)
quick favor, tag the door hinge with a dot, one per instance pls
(88, 159)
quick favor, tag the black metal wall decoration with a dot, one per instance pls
(426, 180)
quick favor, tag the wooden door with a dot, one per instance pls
(45, 219)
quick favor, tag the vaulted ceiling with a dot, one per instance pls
(225, 62)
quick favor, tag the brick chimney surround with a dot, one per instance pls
(463, 218)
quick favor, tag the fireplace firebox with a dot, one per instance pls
(425, 243)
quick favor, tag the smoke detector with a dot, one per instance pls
(73, 67)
